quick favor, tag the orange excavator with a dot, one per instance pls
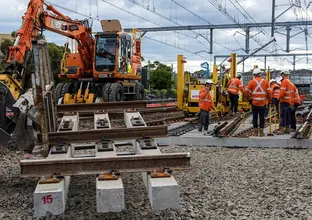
(106, 67)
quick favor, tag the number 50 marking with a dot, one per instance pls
(47, 199)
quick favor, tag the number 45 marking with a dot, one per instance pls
(47, 199)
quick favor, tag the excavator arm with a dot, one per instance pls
(37, 18)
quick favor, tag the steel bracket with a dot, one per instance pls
(105, 145)
(166, 172)
(59, 148)
(52, 179)
(137, 121)
(67, 125)
(112, 175)
(102, 123)
(147, 143)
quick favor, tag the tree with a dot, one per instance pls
(161, 78)
(56, 53)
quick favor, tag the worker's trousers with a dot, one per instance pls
(258, 112)
(234, 102)
(204, 120)
(285, 116)
(275, 103)
(293, 116)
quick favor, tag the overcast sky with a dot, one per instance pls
(168, 13)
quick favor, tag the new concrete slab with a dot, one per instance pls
(110, 195)
(50, 198)
(281, 141)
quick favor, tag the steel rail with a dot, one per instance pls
(89, 166)
(93, 107)
(165, 120)
(113, 111)
(111, 134)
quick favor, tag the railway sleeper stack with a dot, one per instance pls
(64, 161)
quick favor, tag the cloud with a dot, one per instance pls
(168, 13)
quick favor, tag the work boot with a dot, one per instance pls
(261, 132)
(287, 131)
(281, 131)
(292, 130)
(255, 132)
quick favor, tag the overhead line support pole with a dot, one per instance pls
(211, 41)
(273, 18)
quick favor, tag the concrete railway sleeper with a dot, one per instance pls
(107, 166)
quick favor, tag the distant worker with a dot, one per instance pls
(205, 104)
(275, 89)
(295, 102)
(259, 91)
(285, 101)
(234, 85)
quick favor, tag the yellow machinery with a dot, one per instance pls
(188, 91)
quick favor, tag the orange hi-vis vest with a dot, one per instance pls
(295, 98)
(275, 91)
(259, 90)
(205, 100)
(235, 84)
(286, 91)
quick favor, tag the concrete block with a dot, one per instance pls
(110, 196)
(50, 199)
(163, 193)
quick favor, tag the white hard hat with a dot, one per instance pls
(256, 71)
(239, 75)
(278, 80)
(285, 72)
(208, 81)
(272, 80)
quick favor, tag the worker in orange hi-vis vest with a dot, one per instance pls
(205, 105)
(275, 89)
(234, 85)
(259, 91)
(295, 102)
(285, 103)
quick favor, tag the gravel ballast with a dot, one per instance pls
(222, 183)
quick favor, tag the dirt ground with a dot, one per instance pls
(222, 183)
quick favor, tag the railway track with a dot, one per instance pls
(193, 124)
(98, 142)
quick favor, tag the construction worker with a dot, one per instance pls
(286, 91)
(234, 85)
(205, 105)
(259, 91)
(295, 102)
(275, 89)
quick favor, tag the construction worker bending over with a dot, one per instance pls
(234, 85)
(275, 89)
(259, 91)
(205, 104)
(285, 101)
(295, 102)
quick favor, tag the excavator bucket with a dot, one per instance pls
(111, 26)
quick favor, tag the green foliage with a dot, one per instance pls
(4, 49)
(163, 93)
(56, 53)
(161, 77)
(174, 92)
(157, 93)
